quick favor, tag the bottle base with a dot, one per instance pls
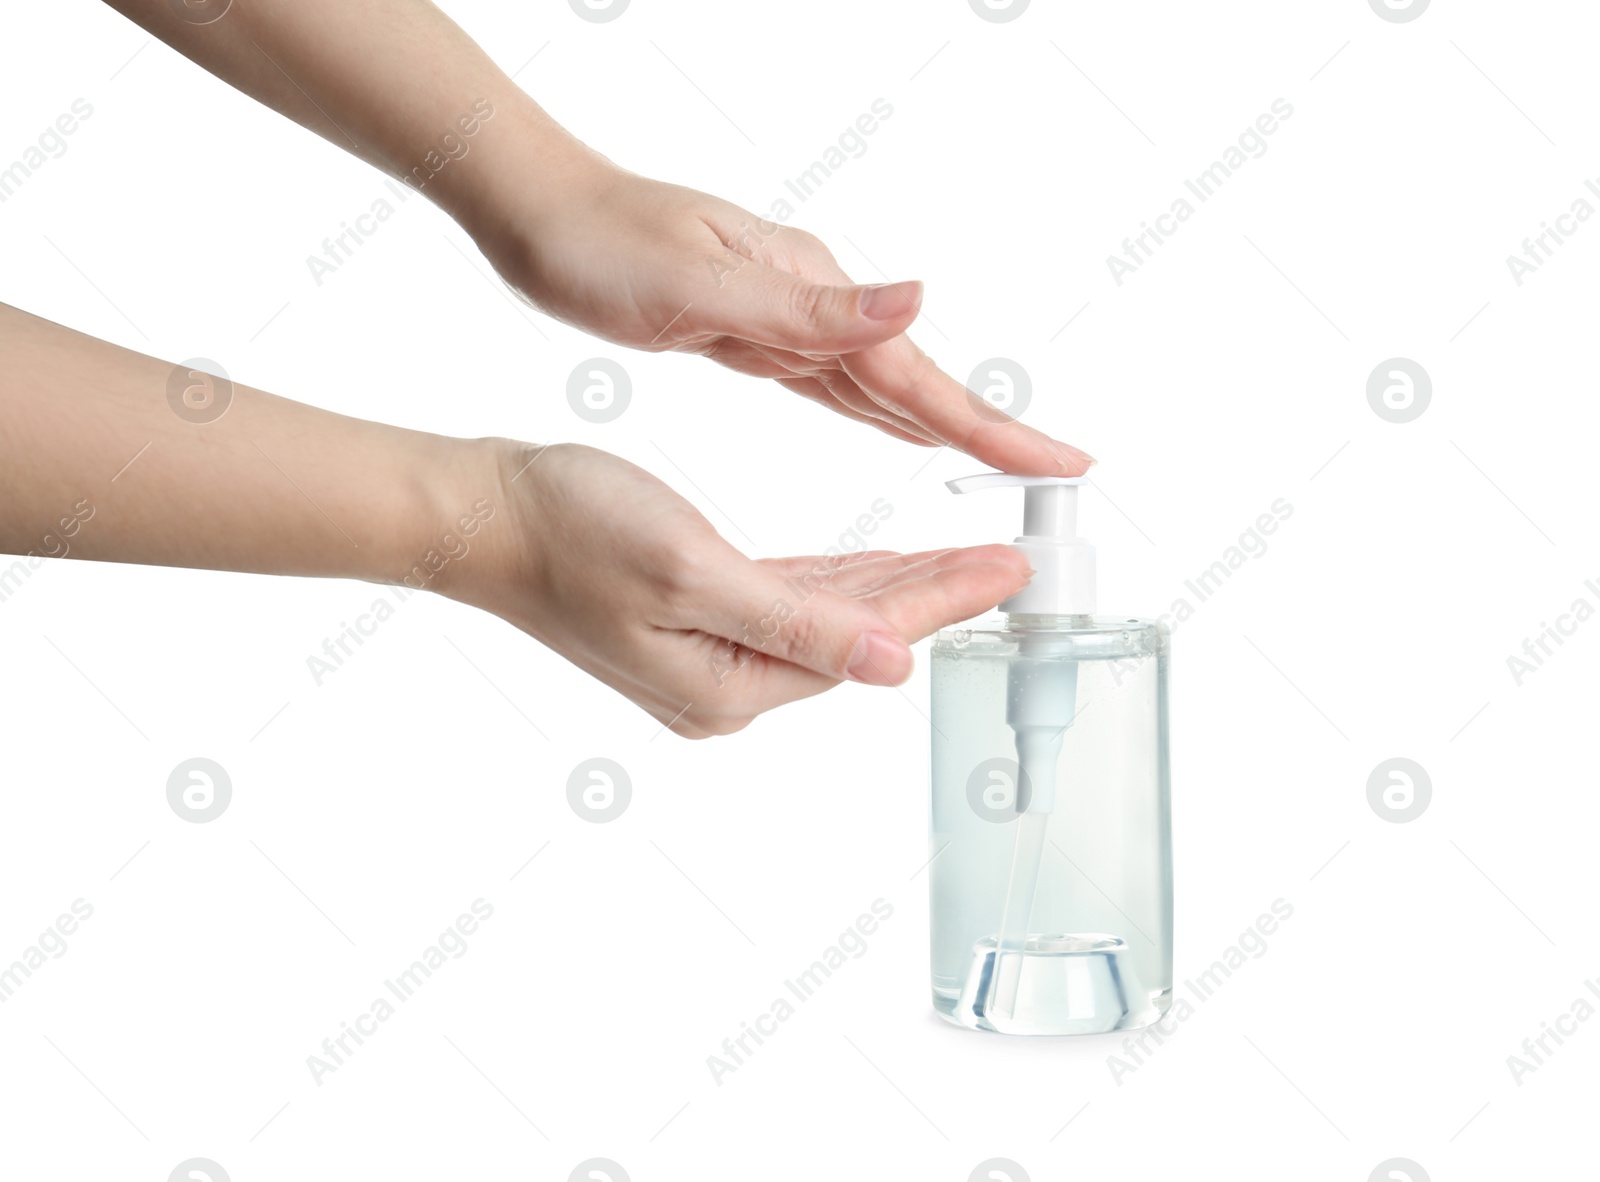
(1082, 983)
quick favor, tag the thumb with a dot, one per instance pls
(770, 307)
(794, 617)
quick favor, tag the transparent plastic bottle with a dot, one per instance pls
(1051, 844)
(1098, 952)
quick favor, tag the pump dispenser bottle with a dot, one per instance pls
(1051, 871)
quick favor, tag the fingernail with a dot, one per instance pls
(1073, 460)
(879, 659)
(886, 301)
(1028, 570)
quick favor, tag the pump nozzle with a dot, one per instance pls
(1063, 583)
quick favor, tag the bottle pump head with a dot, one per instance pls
(1064, 569)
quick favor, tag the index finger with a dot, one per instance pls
(934, 594)
(904, 379)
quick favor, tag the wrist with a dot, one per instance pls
(470, 543)
(530, 178)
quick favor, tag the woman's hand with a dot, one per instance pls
(656, 266)
(596, 558)
(638, 262)
(613, 570)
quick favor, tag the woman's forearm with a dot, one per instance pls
(395, 82)
(112, 455)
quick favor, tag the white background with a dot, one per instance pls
(1229, 371)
